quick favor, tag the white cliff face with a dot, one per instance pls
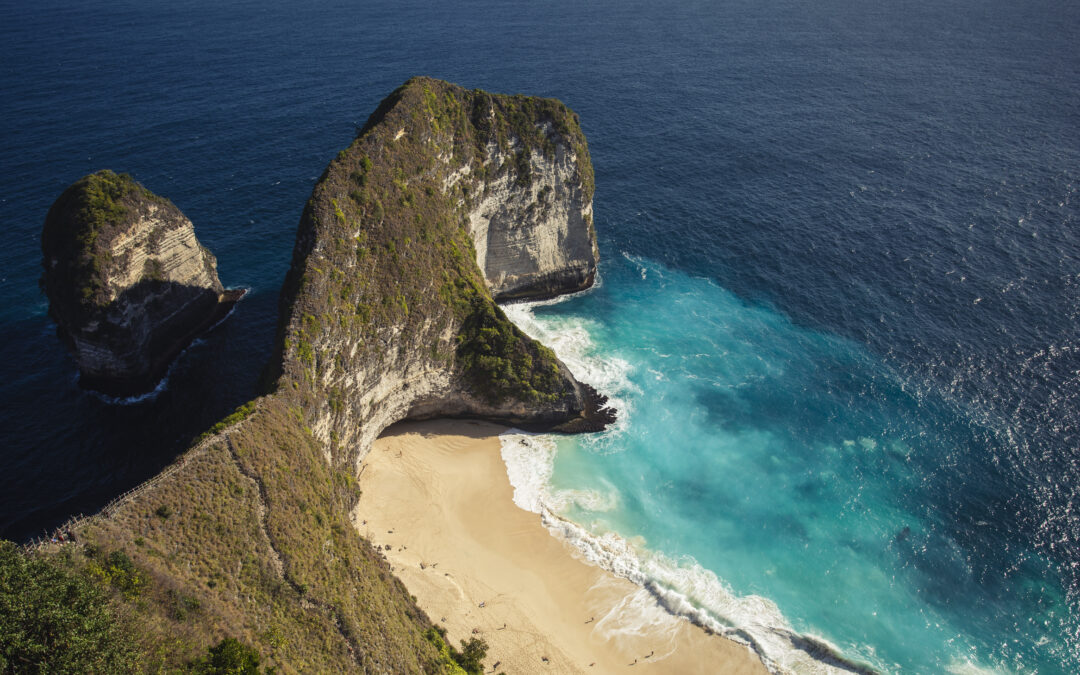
(160, 246)
(535, 240)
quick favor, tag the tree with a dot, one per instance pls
(55, 620)
(229, 657)
(471, 658)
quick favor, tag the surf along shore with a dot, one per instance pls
(437, 502)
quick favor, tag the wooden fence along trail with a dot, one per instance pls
(110, 508)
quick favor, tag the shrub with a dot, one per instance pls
(122, 574)
(228, 657)
(470, 660)
(57, 621)
(471, 656)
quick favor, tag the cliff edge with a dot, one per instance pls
(387, 313)
(129, 285)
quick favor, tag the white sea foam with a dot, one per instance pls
(572, 341)
(596, 501)
(972, 668)
(682, 588)
(529, 460)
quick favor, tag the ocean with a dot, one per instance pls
(837, 307)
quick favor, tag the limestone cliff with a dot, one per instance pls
(532, 226)
(128, 284)
(387, 313)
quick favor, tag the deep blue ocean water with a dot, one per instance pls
(840, 279)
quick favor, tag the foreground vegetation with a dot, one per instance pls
(67, 613)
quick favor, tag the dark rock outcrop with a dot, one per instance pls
(129, 286)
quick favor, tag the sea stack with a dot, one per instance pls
(129, 285)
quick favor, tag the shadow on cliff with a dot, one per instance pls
(127, 346)
(469, 428)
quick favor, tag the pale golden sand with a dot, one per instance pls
(437, 493)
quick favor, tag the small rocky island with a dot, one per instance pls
(129, 285)
(447, 200)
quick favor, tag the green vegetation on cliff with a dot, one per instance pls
(228, 657)
(56, 620)
(501, 363)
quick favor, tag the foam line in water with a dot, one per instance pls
(572, 342)
(971, 668)
(682, 588)
(529, 459)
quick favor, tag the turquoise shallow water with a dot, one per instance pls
(779, 478)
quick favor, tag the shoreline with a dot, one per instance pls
(437, 502)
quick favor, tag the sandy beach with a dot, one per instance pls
(437, 500)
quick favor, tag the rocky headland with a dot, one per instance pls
(129, 285)
(446, 200)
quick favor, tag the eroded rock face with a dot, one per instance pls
(128, 283)
(532, 227)
(388, 309)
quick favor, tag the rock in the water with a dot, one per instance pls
(129, 286)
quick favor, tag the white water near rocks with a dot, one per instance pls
(613, 496)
